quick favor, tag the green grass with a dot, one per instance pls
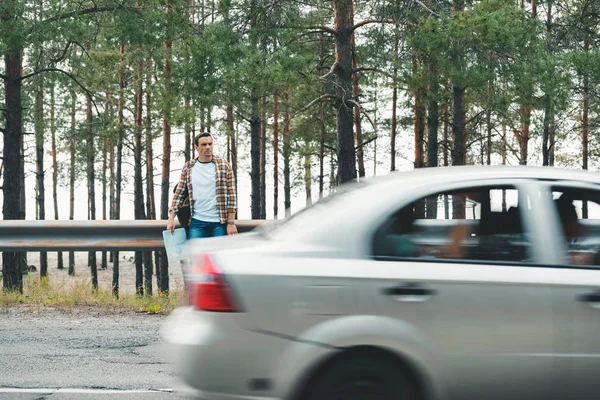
(68, 295)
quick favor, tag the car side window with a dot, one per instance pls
(480, 223)
(578, 212)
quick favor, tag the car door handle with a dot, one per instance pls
(590, 297)
(409, 293)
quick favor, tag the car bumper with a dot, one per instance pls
(217, 359)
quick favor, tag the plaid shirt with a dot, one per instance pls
(225, 182)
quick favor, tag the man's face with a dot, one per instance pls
(204, 147)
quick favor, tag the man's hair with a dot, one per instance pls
(200, 136)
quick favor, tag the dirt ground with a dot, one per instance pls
(83, 271)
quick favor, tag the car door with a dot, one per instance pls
(489, 321)
(577, 292)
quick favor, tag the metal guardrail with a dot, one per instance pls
(99, 235)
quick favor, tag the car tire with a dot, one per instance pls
(362, 377)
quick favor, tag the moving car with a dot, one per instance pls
(441, 283)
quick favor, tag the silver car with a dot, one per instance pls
(445, 283)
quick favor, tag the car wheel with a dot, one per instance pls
(362, 378)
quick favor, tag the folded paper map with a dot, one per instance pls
(174, 243)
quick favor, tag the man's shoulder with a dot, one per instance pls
(189, 164)
(220, 161)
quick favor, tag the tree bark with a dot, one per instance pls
(432, 117)
(459, 134)
(255, 157)
(287, 155)
(419, 117)
(585, 121)
(343, 73)
(263, 160)
(548, 109)
(432, 132)
(119, 156)
(138, 191)
(60, 263)
(394, 104)
(166, 165)
(12, 208)
(188, 152)
(308, 175)
(72, 174)
(104, 262)
(150, 199)
(91, 185)
(322, 136)
(275, 154)
(39, 151)
(232, 139)
(360, 155)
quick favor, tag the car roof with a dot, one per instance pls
(477, 172)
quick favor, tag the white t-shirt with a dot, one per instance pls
(204, 189)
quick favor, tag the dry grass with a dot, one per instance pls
(70, 294)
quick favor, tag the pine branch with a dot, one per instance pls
(324, 28)
(64, 53)
(371, 21)
(369, 69)
(431, 12)
(309, 105)
(362, 110)
(86, 90)
(365, 143)
(92, 10)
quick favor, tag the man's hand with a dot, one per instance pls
(231, 229)
(171, 224)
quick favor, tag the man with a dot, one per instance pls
(209, 184)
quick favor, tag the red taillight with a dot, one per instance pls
(208, 288)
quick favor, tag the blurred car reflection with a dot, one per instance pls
(447, 283)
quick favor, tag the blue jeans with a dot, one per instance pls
(201, 229)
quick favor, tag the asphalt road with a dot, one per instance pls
(83, 354)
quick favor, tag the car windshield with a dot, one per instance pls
(310, 214)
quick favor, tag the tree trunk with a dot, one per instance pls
(585, 123)
(60, 264)
(72, 174)
(419, 117)
(432, 132)
(459, 134)
(104, 262)
(308, 175)
(232, 139)
(263, 160)
(323, 130)
(548, 109)
(360, 157)
(118, 176)
(343, 73)
(166, 165)
(287, 155)
(111, 181)
(255, 158)
(150, 200)
(394, 105)
(12, 208)
(523, 136)
(459, 148)
(40, 175)
(275, 154)
(188, 152)
(138, 191)
(91, 185)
